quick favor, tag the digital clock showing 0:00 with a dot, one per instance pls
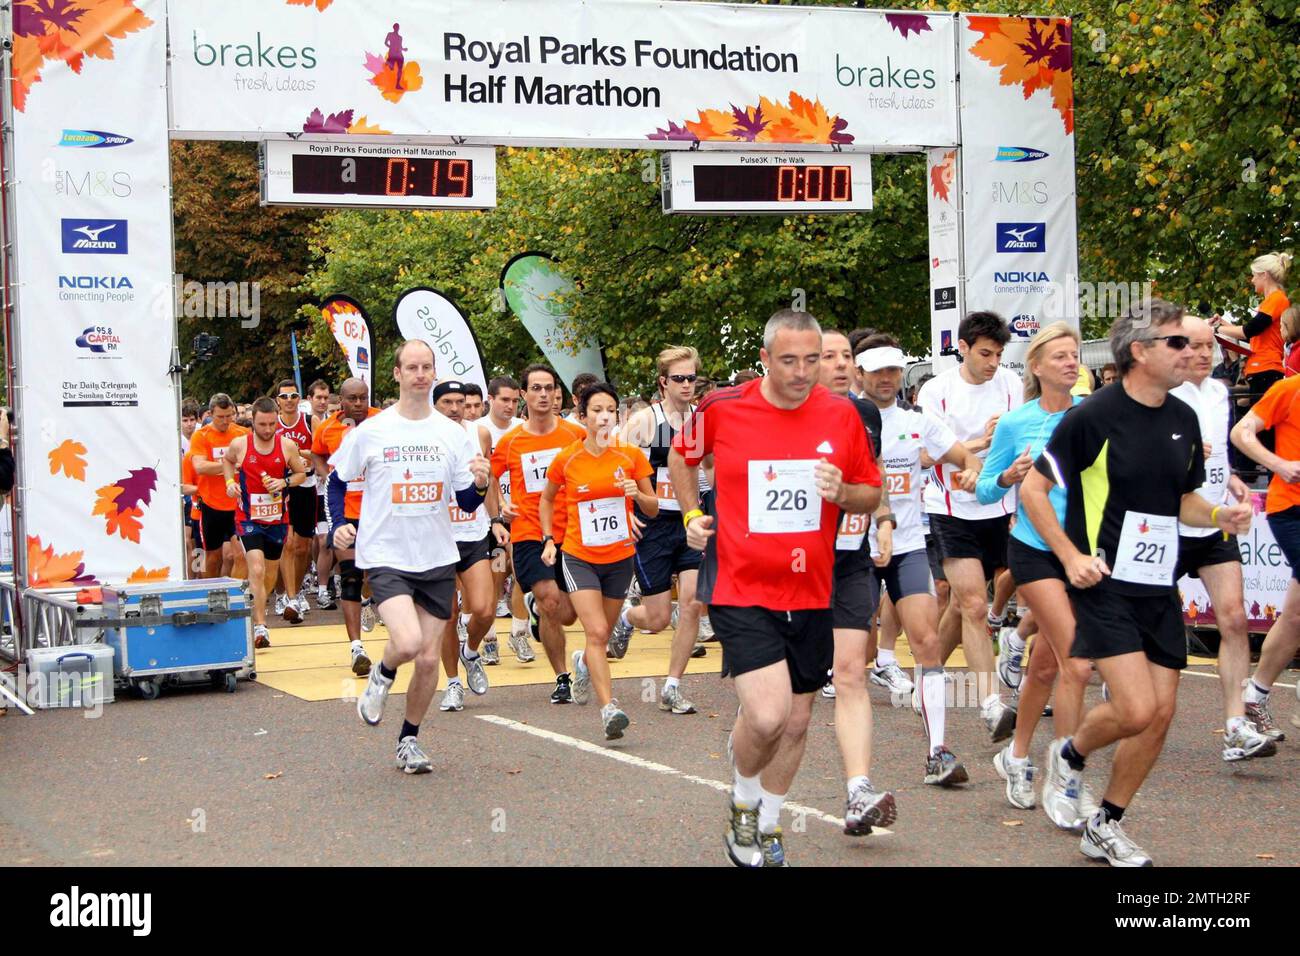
(784, 183)
(383, 176)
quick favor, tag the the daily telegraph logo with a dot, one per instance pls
(1019, 154)
(1022, 237)
(99, 339)
(92, 139)
(95, 236)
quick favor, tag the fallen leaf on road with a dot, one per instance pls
(714, 756)
(273, 776)
(1263, 856)
(711, 716)
(1013, 823)
(141, 759)
(258, 732)
(513, 772)
(275, 696)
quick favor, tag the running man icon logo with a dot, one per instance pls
(770, 474)
(1143, 528)
(407, 474)
(592, 508)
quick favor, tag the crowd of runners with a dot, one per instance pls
(803, 518)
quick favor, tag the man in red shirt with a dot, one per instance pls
(788, 457)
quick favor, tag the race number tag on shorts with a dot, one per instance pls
(898, 483)
(603, 521)
(664, 491)
(535, 464)
(413, 496)
(783, 497)
(1148, 549)
(265, 507)
(853, 529)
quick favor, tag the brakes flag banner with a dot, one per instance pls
(428, 315)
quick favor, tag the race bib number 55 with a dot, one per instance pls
(783, 497)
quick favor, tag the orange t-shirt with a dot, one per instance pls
(527, 457)
(209, 444)
(597, 511)
(1278, 411)
(325, 441)
(190, 477)
(1266, 348)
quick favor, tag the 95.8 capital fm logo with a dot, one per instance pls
(105, 237)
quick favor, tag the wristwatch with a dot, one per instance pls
(546, 538)
(691, 516)
(890, 517)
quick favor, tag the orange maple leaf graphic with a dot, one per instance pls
(106, 500)
(320, 4)
(362, 126)
(46, 569)
(54, 31)
(803, 121)
(1033, 52)
(67, 458)
(712, 124)
(385, 77)
(942, 175)
(124, 523)
(140, 575)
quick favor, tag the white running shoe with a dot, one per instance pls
(410, 758)
(475, 676)
(503, 608)
(1104, 840)
(370, 705)
(368, 619)
(303, 607)
(360, 660)
(1244, 742)
(892, 678)
(280, 602)
(490, 650)
(1062, 790)
(523, 650)
(706, 629)
(323, 600)
(462, 631)
(288, 609)
(453, 698)
(581, 688)
(1009, 662)
(828, 690)
(1019, 778)
(261, 636)
(614, 720)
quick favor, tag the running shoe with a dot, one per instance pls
(916, 700)
(370, 705)
(706, 629)
(741, 840)
(288, 609)
(534, 622)
(1062, 790)
(453, 698)
(367, 615)
(503, 607)
(828, 690)
(673, 700)
(1000, 721)
(490, 650)
(1104, 840)
(303, 607)
(475, 676)
(995, 625)
(1260, 715)
(462, 631)
(943, 769)
(410, 758)
(867, 808)
(523, 650)
(581, 686)
(615, 721)
(618, 638)
(324, 601)
(675, 616)
(1020, 779)
(563, 693)
(360, 661)
(892, 678)
(1245, 742)
(699, 650)
(309, 581)
(773, 845)
(1009, 666)
(634, 591)
(280, 603)
(261, 636)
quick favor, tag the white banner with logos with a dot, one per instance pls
(1017, 172)
(538, 293)
(348, 323)
(97, 423)
(943, 201)
(1265, 578)
(571, 72)
(430, 316)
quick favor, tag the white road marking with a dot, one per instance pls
(643, 764)
(1216, 677)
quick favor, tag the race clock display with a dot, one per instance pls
(720, 183)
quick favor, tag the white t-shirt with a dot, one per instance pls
(495, 434)
(904, 433)
(1213, 407)
(413, 468)
(469, 526)
(965, 409)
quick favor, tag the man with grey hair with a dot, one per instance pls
(1131, 462)
(788, 456)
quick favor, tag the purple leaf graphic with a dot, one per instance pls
(747, 128)
(837, 136)
(375, 64)
(334, 123)
(674, 132)
(32, 19)
(908, 22)
(1061, 58)
(136, 489)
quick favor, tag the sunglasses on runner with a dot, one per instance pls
(1176, 342)
(293, 395)
(679, 379)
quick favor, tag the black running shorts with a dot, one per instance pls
(1109, 624)
(1195, 553)
(984, 539)
(433, 590)
(754, 637)
(215, 527)
(663, 552)
(302, 511)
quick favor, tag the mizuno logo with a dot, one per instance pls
(92, 234)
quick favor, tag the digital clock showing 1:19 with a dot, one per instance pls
(383, 176)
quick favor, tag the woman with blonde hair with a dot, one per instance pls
(1263, 330)
(1051, 371)
(1291, 335)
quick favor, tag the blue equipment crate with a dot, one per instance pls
(168, 631)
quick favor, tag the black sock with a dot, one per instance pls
(1111, 812)
(385, 673)
(1072, 756)
(409, 730)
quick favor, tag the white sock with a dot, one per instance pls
(357, 643)
(1014, 642)
(622, 618)
(885, 657)
(1017, 761)
(989, 702)
(1234, 723)
(670, 683)
(464, 618)
(518, 625)
(1254, 694)
(467, 653)
(746, 791)
(769, 811)
(932, 706)
(452, 680)
(861, 780)
(582, 663)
